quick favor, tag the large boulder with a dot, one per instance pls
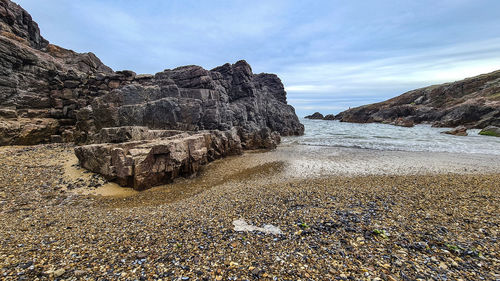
(403, 122)
(458, 131)
(24, 131)
(145, 163)
(490, 131)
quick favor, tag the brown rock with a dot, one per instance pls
(403, 123)
(146, 163)
(458, 131)
(25, 131)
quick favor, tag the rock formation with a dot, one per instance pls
(156, 157)
(315, 115)
(51, 94)
(403, 122)
(191, 98)
(329, 117)
(490, 131)
(458, 131)
(41, 85)
(472, 102)
(319, 116)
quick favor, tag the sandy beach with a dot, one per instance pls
(343, 213)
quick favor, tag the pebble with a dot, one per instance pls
(60, 272)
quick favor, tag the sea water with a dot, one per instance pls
(377, 136)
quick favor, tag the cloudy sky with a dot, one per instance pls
(331, 55)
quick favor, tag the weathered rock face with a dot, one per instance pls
(472, 102)
(40, 83)
(39, 80)
(50, 94)
(191, 98)
(17, 22)
(149, 162)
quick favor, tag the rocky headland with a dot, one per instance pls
(472, 102)
(49, 94)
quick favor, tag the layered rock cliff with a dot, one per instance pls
(45, 90)
(472, 102)
(190, 98)
(51, 94)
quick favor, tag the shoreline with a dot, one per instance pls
(363, 226)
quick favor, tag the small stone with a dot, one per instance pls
(79, 272)
(59, 272)
(255, 271)
(442, 265)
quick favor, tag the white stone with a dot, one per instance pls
(242, 225)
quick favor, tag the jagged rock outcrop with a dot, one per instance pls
(315, 115)
(51, 94)
(472, 102)
(319, 116)
(329, 117)
(41, 81)
(41, 85)
(190, 98)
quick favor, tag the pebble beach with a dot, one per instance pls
(337, 220)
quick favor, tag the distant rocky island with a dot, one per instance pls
(141, 130)
(319, 116)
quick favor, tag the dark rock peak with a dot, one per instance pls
(329, 117)
(319, 116)
(315, 115)
(240, 66)
(16, 23)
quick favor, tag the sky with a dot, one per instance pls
(330, 55)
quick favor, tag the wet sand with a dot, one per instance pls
(344, 213)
